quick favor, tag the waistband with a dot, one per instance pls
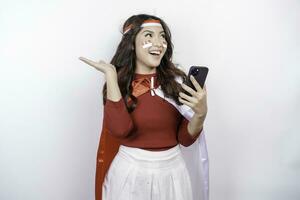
(151, 159)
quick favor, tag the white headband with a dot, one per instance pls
(151, 24)
(146, 23)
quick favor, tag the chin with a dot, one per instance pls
(154, 64)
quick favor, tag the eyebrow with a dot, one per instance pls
(152, 31)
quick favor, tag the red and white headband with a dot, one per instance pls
(146, 23)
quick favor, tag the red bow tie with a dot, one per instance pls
(141, 86)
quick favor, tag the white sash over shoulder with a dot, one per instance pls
(195, 155)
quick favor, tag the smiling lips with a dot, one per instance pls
(155, 52)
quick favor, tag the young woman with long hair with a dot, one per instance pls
(148, 119)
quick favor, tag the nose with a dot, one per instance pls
(157, 42)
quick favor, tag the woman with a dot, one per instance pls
(139, 154)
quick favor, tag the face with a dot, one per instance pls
(150, 47)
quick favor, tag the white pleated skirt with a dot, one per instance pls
(138, 174)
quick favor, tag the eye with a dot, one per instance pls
(148, 34)
(164, 36)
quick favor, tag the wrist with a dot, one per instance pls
(199, 116)
(111, 73)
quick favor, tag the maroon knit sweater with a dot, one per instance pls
(154, 125)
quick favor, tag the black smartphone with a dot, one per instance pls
(200, 74)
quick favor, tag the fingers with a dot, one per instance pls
(87, 61)
(187, 97)
(204, 88)
(185, 102)
(196, 84)
(188, 89)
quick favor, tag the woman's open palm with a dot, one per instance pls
(101, 65)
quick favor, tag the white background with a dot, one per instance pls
(51, 102)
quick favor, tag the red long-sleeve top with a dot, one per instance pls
(154, 125)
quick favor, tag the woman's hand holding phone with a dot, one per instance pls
(195, 97)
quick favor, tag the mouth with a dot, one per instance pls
(155, 53)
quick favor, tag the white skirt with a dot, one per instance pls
(138, 174)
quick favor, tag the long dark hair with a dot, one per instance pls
(124, 61)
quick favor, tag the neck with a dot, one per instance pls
(146, 76)
(153, 71)
(142, 68)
